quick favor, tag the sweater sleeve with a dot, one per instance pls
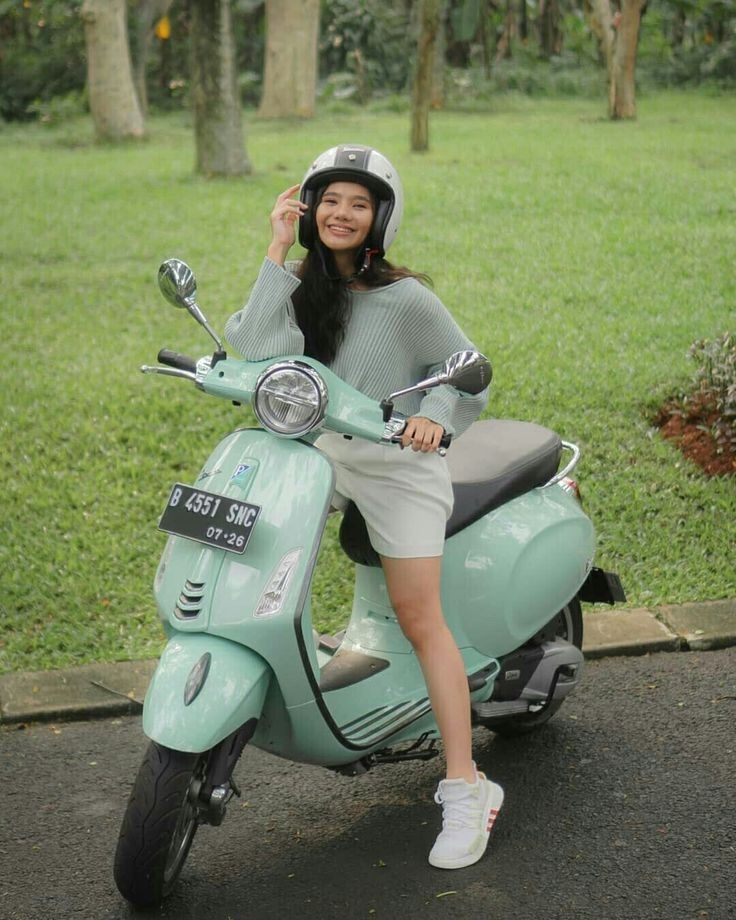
(439, 336)
(266, 327)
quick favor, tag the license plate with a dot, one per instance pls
(209, 518)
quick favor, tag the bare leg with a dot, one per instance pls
(414, 589)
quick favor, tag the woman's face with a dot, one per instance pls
(344, 216)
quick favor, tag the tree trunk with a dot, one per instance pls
(678, 27)
(550, 28)
(112, 98)
(438, 68)
(290, 68)
(146, 13)
(622, 74)
(422, 90)
(218, 128)
(619, 37)
(523, 29)
(600, 18)
(503, 48)
(485, 41)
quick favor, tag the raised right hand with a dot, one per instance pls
(286, 212)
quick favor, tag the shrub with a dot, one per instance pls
(369, 39)
(41, 54)
(716, 375)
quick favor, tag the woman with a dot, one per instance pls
(380, 329)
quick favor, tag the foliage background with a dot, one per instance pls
(367, 49)
(583, 256)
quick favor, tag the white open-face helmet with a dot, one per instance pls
(366, 166)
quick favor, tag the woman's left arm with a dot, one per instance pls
(437, 337)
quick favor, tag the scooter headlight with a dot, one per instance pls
(290, 398)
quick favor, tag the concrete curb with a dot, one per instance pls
(105, 690)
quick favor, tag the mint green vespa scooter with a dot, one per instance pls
(243, 663)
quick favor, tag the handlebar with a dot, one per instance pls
(445, 441)
(184, 366)
(179, 361)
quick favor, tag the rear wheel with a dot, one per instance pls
(568, 624)
(159, 824)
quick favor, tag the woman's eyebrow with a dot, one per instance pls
(350, 197)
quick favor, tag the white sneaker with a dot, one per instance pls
(469, 811)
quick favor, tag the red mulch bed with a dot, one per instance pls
(694, 426)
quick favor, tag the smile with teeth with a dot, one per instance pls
(339, 229)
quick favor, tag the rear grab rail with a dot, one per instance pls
(566, 470)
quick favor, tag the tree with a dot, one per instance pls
(422, 90)
(218, 130)
(290, 69)
(550, 28)
(112, 98)
(438, 70)
(618, 32)
(509, 32)
(146, 13)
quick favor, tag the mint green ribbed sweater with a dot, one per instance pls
(396, 336)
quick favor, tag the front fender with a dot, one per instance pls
(232, 692)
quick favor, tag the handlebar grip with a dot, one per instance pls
(446, 440)
(174, 359)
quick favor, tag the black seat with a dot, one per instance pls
(493, 462)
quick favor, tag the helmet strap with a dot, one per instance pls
(367, 257)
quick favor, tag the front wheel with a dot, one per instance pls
(568, 624)
(159, 824)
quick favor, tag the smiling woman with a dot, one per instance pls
(379, 329)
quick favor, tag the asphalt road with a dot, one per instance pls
(621, 809)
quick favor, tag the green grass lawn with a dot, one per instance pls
(582, 256)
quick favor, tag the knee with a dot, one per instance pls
(416, 618)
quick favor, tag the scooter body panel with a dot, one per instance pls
(348, 411)
(510, 572)
(292, 482)
(233, 682)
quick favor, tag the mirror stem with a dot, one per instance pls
(194, 310)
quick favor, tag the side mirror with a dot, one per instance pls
(469, 371)
(177, 283)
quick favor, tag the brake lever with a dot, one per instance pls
(168, 372)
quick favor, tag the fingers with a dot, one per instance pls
(289, 199)
(287, 207)
(422, 434)
(289, 193)
(286, 212)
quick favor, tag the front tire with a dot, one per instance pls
(568, 624)
(159, 824)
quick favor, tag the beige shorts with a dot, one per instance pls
(405, 496)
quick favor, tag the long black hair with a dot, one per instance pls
(322, 302)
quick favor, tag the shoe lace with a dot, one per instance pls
(457, 813)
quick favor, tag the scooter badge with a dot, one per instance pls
(240, 470)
